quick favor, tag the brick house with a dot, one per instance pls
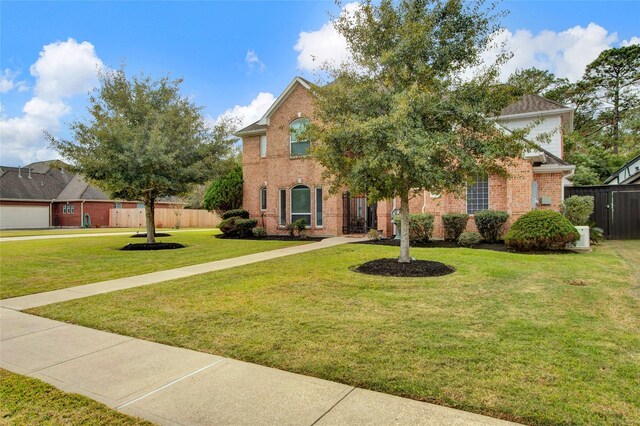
(46, 194)
(282, 184)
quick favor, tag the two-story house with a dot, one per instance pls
(283, 184)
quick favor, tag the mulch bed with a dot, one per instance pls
(452, 244)
(271, 238)
(155, 246)
(392, 268)
(157, 234)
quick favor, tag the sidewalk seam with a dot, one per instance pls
(83, 355)
(334, 405)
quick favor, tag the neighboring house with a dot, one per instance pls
(627, 174)
(46, 193)
(282, 183)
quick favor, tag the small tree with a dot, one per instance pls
(143, 140)
(225, 193)
(398, 119)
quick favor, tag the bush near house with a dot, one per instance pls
(454, 225)
(541, 230)
(577, 209)
(299, 228)
(228, 227)
(259, 232)
(490, 223)
(244, 227)
(242, 214)
(420, 227)
(469, 239)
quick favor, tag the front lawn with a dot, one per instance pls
(69, 231)
(28, 401)
(540, 339)
(42, 265)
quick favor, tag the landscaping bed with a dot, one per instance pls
(152, 246)
(144, 235)
(270, 238)
(501, 247)
(393, 268)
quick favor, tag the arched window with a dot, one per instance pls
(299, 148)
(301, 204)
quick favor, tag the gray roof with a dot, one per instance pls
(46, 180)
(531, 103)
(252, 128)
(552, 159)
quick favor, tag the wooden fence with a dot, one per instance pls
(165, 218)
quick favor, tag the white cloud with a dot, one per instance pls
(64, 69)
(631, 41)
(247, 114)
(253, 62)
(8, 82)
(325, 45)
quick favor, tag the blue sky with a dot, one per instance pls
(230, 54)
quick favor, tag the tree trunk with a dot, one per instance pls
(616, 118)
(404, 228)
(150, 214)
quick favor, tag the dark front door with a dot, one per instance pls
(357, 216)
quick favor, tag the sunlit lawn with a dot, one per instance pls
(541, 339)
(42, 265)
(68, 231)
(28, 401)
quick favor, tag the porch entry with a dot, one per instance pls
(357, 216)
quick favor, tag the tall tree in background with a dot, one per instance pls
(535, 81)
(143, 140)
(613, 80)
(398, 119)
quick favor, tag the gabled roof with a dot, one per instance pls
(531, 104)
(252, 129)
(297, 80)
(633, 175)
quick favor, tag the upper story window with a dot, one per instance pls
(299, 148)
(263, 146)
(478, 195)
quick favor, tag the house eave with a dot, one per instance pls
(267, 115)
(554, 168)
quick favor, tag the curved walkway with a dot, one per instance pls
(173, 386)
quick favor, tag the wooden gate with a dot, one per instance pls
(617, 208)
(357, 216)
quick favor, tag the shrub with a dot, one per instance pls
(242, 214)
(454, 225)
(541, 230)
(299, 228)
(469, 239)
(225, 193)
(578, 209)
(373, 235)
(259, 232)
(245, 226)
(490, 223)
(228, 227)
(420, 227)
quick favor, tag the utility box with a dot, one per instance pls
(584, 243)
(545, 201)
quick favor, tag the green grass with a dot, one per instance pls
(70, 231)
(35, 266)
(506, 335)
(28, 401)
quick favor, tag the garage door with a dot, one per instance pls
(16, 217)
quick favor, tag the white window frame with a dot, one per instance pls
(282, 219)
(315, 206)
(488, 197)
(310, 213)
(263, 146)
(71, 209)
(291, 137)
(64, 208)
(263, 201)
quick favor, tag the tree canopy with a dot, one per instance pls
(225, 192)
(143, 140)
(399, 118)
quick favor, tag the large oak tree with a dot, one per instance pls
(143, 140)
(398, 118)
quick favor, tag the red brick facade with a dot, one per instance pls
(279, 171)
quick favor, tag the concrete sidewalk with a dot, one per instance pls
(78, 292)
(173, 386)
(95, 234)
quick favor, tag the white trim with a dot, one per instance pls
(260, 153)
(535, 113)
(267, 115)
(315, 206)
(300, 213)
(553, 168)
